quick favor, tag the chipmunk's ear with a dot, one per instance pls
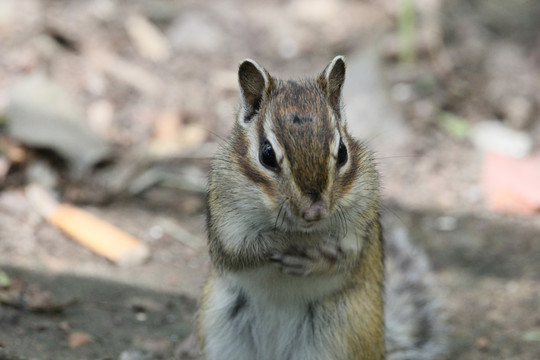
(331, 81)
(254, 83)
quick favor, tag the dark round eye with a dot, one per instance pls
(267, 156)
(342, 154)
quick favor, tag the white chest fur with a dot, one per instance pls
(263, 314)
(267, 285)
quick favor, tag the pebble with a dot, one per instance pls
(447, 223)
(133, 355)
(494, 136)
(156, 232)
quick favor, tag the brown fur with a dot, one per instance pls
(304, 116)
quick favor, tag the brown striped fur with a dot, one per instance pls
(284, 284)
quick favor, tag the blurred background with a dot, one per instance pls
(111, 110)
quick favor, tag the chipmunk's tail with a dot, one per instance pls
(415, 328)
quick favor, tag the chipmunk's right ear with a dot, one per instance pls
(254, 83)
(332, 79)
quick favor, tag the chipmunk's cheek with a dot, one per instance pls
(348, 179)
(257, 176)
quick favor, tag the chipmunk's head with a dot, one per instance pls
(291, 140)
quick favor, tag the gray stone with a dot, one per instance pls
(40, 113)
(494, 136)
(43, 174)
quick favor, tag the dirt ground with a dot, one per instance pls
(58, 300)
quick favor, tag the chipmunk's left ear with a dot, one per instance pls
(255, 83)
(331, 81)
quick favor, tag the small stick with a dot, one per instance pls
(94, 233)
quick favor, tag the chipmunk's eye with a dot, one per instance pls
(342, 154)
(267, 156)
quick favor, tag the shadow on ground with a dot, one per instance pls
(117, 317)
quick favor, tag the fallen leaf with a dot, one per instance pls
(454, 125)
(5, 280)
(77, 339)
(100, 115)
(166, 125)
(482, 343)
(126, 72)
(532, 336)
(511, 184)
(32, 298)
(11, 294)
(185, 139)
(40, 300)
(147, 38)
(13, 151)
(153, 345)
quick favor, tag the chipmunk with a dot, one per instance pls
(295, 237)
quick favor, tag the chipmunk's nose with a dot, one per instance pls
(317, 211)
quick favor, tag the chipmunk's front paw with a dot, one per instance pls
(311, 261)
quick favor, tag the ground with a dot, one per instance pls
(58, 300)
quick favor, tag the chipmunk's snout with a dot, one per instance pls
(318, 210)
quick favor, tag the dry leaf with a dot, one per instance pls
(77, 339)
(126, 72)
(510, 184)
(148, 39)
(100, 115)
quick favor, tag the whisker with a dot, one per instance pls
(283, 217)
(396, 157)
(387, 209)
(344, 219)
(210, 131)
(278, 214)
(333, 225)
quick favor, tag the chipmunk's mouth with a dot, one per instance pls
(307, 227)
(311, 226)
(286, 219)
(291, 223)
